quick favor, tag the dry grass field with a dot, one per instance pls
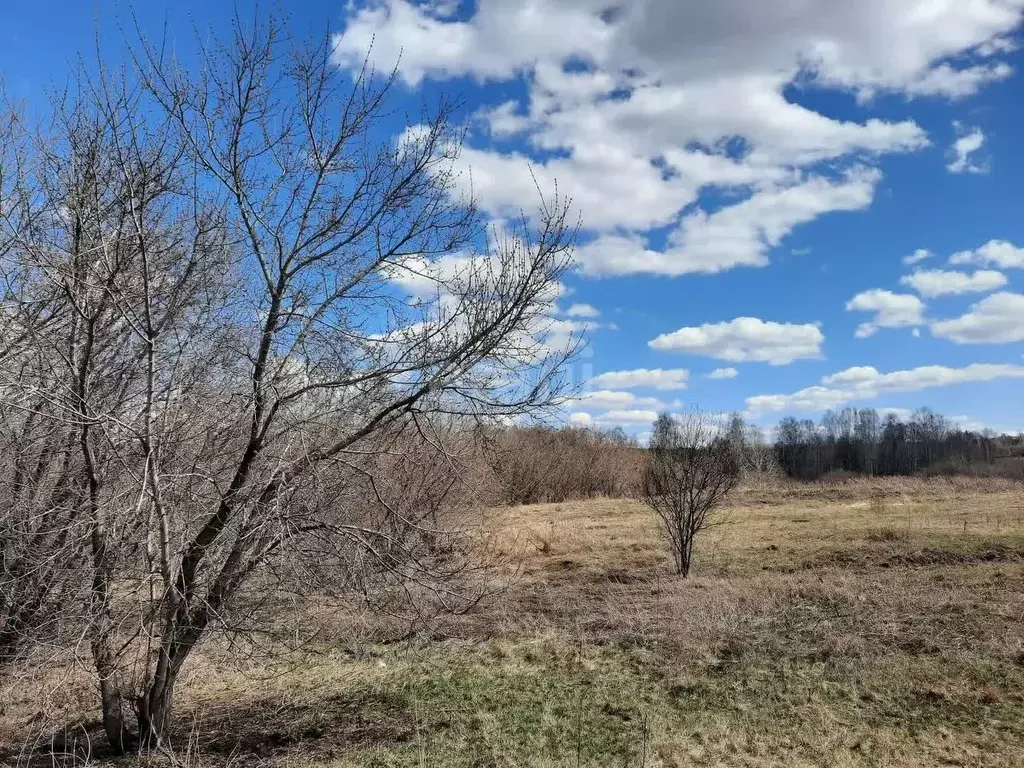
(864, 624)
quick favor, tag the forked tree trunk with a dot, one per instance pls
(154, 714)
(155, 708)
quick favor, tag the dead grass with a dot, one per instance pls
(866, 624)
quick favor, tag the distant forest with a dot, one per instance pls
(863, 441)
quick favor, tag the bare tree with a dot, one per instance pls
(693, 467)
(41, 530)
(754, 456)
(227, 377)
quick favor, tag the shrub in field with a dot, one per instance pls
(692, 469)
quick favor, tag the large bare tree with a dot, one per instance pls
(210, 367)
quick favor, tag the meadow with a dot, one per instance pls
(862, 623)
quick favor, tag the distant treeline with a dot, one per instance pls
(862, 441)
(537, 464)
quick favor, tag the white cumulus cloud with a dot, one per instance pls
(995, 253)
(581, 419)
(723, 373)
(938, 282)
(638, 108)
(946, 80)
(745, 339)
(644, 378)
(960, 153)
(921, 254)
(872, 45)
(625, 418)
(892, 310)
(739, 235)
(605, 399)
(582, 310)
(868, 383)
(996, 319)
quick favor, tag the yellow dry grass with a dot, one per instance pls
(613, 534)
(872, 623)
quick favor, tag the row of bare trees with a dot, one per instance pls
(209, 383)
(863, 441)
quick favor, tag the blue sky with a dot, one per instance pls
(754, 178)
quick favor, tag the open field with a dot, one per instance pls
(874, 624)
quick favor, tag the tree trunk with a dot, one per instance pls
(685, 555)
(154, 712)
(679, 547)
(155, 708)
(104, 657)
(112, 702)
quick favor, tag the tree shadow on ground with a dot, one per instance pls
(241, 731)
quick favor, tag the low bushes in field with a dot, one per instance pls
(534, 465)
(1008, 467)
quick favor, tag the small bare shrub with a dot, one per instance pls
(691, 471)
